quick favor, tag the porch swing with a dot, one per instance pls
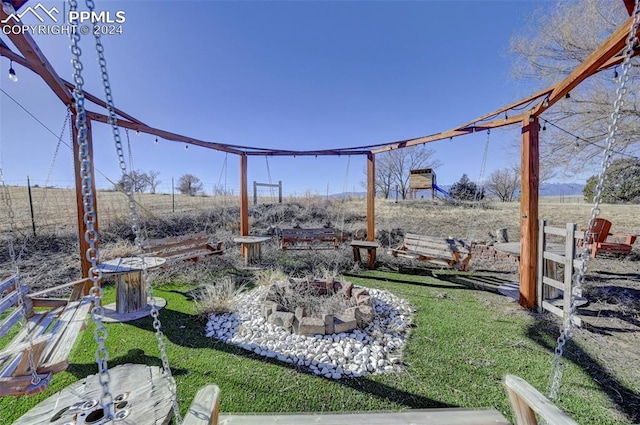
(445, 251)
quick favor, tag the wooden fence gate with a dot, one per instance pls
(556, 266)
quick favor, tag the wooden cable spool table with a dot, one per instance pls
(142, 395)
(132, 301)
(251, 247)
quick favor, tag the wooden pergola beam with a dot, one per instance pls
(458, 131)
(309, 153)
(592, 64)
(95, 116)
(24, 62)
(38, 61)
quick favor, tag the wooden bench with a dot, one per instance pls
(324, 238)
(176, 249)
(444, 251)
(50, 332)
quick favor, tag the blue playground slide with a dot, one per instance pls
(444, 192)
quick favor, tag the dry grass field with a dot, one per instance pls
(609, 343)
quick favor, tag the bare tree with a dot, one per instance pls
(135, 181)
(557, 41)
(392, 168)
(152, 180)
(504, 183)
(190, 185)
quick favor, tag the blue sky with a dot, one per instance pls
(289, 74)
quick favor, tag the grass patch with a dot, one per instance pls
(462, 345)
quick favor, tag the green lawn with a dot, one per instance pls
(462, 345)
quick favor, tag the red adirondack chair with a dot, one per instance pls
(600, 240)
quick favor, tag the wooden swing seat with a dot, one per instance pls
(442, 251)
(528, 405)
(204, 411)
(51, 331)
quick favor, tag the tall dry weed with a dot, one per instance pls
(217, 297)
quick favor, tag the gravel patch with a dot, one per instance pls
(374, 349)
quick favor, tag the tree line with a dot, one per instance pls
(141, 182)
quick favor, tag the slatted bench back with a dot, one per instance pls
(307, 238)
(444, 251)
(182, 248)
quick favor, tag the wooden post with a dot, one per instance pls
(529, 211)
(82, 228)
(279, 191)
(371, 197)
(244, 199)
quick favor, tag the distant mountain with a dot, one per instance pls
(559, 189)
(546, 189)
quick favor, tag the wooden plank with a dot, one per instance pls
(552, 256)
(56, 356)
(21, 385)
(552, 282)
(198, 238)
(9, 282)
(23, 366)
(540, 265)
(49, 302)
(9, 321)
(11, 299)
(555, 231)
(536, 402)
(78, 282)
(552, 308)
(416, 417)
(13, 349)
(204, 408)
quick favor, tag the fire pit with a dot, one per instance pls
(317, 306)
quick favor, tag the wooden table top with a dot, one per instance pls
(130, 264)
(251, 239)
(145, 391)
(513, 248)
(365, 244)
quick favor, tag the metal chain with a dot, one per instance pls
(35, 379)
(67, 121)
(567, 331)
(134, 215)
(479, 186)
(91, 235)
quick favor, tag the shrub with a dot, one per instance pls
(217, 297)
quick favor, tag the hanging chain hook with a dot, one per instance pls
(578, 278)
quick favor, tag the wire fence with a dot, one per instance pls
(53, 210)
